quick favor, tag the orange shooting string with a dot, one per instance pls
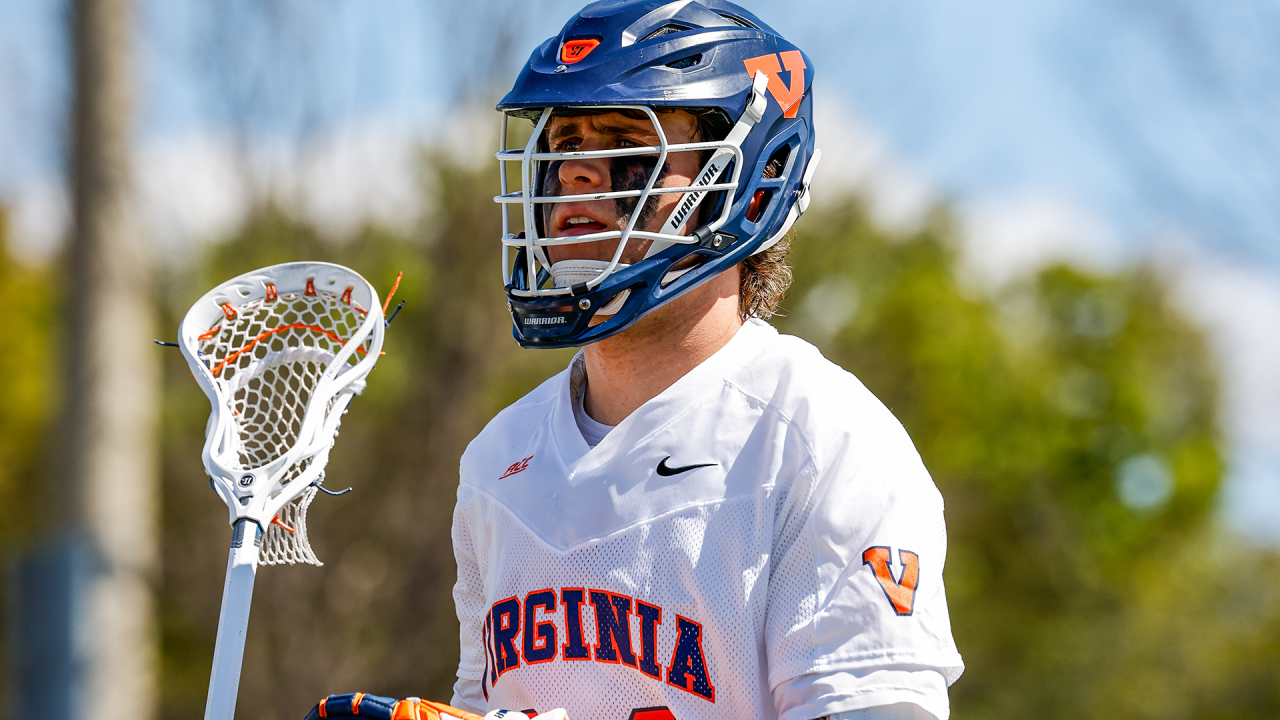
(283, 328)
(230, 312)
(395, 286)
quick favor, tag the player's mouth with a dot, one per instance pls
(573, 222)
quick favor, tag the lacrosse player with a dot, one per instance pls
(699, 518)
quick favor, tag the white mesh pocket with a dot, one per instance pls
(285, 541)
(267, 357)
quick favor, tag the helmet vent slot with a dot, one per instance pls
(668, 29)
(777, 162)
(738, 21)
(683, 63)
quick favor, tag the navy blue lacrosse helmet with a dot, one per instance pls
(709, 57)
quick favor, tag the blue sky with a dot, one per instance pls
(1154, 115)
(1157, 121)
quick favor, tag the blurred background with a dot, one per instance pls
(1046, 234)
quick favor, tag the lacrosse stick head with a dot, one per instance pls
(280, 352)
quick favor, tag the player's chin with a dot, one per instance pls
(574, 251)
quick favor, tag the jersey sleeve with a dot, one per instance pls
(887, 693)
(856, 601)
(469, 601)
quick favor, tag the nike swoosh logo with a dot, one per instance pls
(667, 471)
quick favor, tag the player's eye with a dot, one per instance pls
(566, 145)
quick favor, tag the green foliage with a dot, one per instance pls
(27, 403)
(1068, 420)
(1070, 423)
(27, 398)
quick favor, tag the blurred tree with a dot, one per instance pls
(1069, 421)
(26, 403)
(81, 634)
(26, 386)
(1070, 424)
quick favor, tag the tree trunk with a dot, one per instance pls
(109, 482)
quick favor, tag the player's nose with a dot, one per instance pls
(582, 174)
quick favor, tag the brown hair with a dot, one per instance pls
(765, 277)
(764, 280)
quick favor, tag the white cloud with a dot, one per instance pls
(857, 159)
(198, 187)
(40, 216)
(1239, 307)
(363, 172)
(190, 189)
(1005, 237)
(469, 135)
(1010, 237)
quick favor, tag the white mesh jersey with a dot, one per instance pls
(760, 540)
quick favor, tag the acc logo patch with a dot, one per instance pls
(901, 592)
(517, 467)
(575, 50)
(788, 97)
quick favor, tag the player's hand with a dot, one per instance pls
(376, 707)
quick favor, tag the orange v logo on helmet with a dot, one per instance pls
(901, 592)
(788, 97)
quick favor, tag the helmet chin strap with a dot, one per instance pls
(567, 273)
(756, 105)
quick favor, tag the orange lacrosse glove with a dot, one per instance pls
(376, 707)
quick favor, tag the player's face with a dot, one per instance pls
(569, 177)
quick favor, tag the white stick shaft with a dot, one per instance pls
(233, 623)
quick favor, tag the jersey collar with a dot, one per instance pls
(580, 459)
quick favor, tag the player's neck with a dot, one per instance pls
(629, 369)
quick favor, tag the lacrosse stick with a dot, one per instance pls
(280, 352)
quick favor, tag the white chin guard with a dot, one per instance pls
(568, 273)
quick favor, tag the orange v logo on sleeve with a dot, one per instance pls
(788, 97)
(901, 592)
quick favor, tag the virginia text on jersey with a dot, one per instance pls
(539, 618)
